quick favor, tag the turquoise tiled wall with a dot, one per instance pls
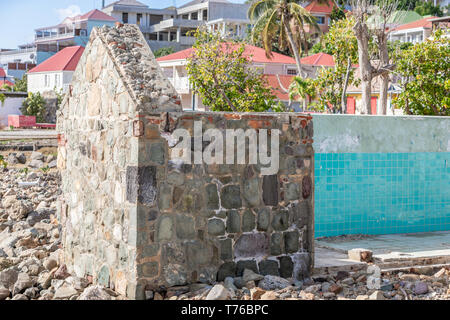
(381, 193)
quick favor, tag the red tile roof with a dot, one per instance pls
(274, 84)
(256, 54)
(7, 82)
(65, 60)
(424, 23)
(319, 59)
(2, 73)
(315, 7)
(96, 15)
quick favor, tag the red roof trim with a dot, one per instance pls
(9, 83)
(319, 59)
(65, 60)
(424, 23)
(315, 7)
(257, 54)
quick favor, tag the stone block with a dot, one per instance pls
(358, 254)
(251, 244)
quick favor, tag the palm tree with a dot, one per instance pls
(282, 19)
(303, 89)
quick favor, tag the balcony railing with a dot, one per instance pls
(180, 84)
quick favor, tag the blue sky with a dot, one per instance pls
(19, 18)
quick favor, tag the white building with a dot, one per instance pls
(174, 67)
(169, 27)
(416, 31)
(56, 72)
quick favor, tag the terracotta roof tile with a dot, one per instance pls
(257, 55)
(424, 23)
(65, 60)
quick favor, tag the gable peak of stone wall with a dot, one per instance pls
(139, 69)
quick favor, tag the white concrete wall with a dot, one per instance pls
(36, 81)
(10, 106)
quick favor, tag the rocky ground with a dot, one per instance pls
(30, 248)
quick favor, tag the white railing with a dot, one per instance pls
(180, 84)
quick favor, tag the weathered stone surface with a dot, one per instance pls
(231, 197)
(218, 292)
(286, 266)
(249, 245)
(280, 220)
(216, 227)
(233, 221)
(276, 244)
(271, 282)
(185, 227)
(263, 219)
(268, 267)
(291, 241)
(251, 192)
(136, 219)
(227, 269)
(212, 197)
(270, 190)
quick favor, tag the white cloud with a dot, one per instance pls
(71, 11)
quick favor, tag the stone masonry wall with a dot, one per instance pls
(134, 219)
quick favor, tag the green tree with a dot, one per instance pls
(427, 8)
(2, 98)
(221, 74)
(281, 21)
(331, 83)
(303, 90)
(161, 52)
(425, 72)
(20, 85)
(34, 105)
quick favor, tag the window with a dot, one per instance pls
(139, 18)
(205, 14)
(194, 16)
(291, 72)
(125, 17)
(320, 20)
(57, 80)
(185, 17)
(47, 80)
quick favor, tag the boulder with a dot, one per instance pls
(218, 292)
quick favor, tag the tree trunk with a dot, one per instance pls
(344, 90)
(362, 36)
(384, 85)
(294, 49)
(384, 61)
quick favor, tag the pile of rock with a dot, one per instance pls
(36, 160)
(414, 285)
(30, 242)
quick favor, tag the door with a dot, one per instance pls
(373, 105)
(351, 104)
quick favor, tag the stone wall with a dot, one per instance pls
(135, 219)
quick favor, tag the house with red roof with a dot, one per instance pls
(72, 31)
(174, 67)
(56, 72)
(322, 13)
(416, 31)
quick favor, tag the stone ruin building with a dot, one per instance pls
(133, 219)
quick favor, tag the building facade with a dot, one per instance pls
(72, 31)
(174, 67)
(56, 72)
(170, 27)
